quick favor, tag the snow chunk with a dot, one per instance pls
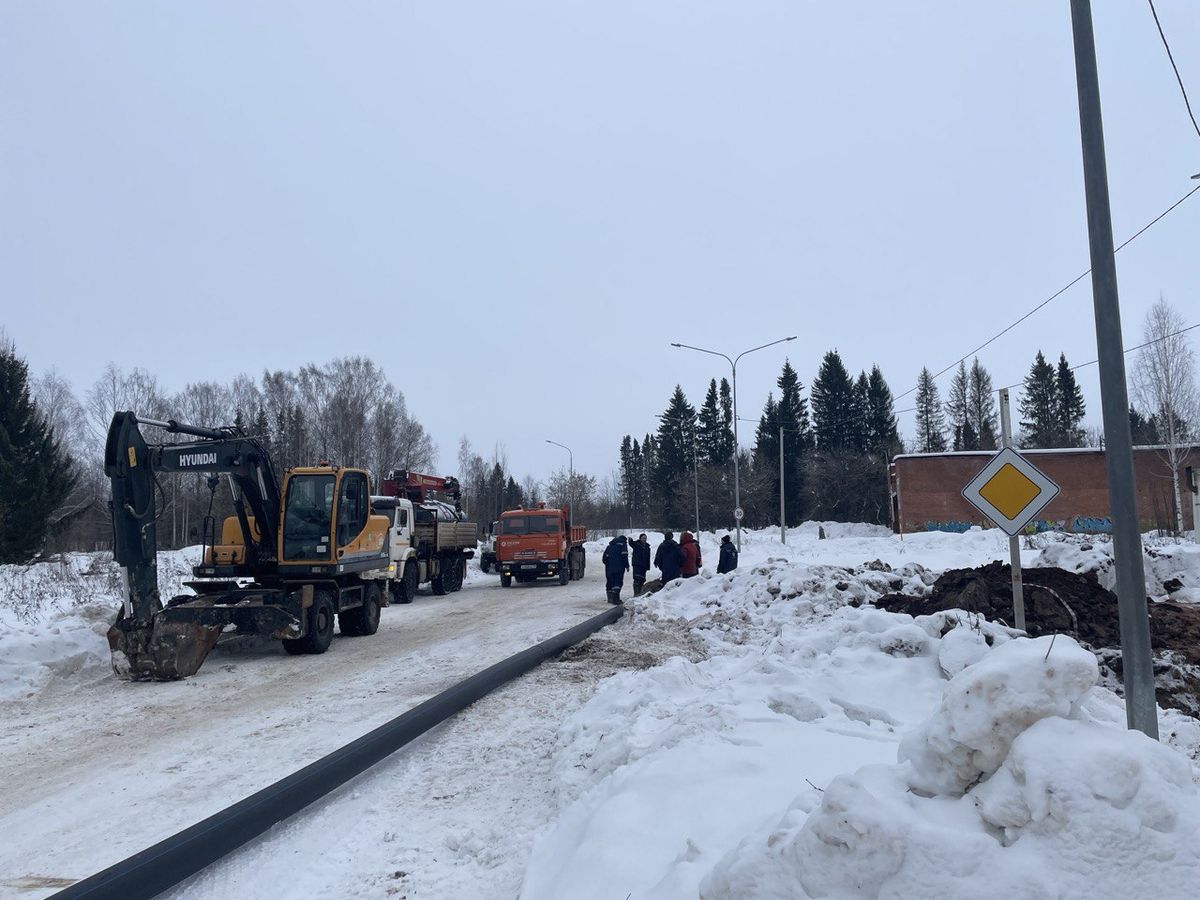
(988, 704)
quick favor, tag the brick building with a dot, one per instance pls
(926, 489)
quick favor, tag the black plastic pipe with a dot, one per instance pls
(170, 862)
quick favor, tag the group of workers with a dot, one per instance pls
(673, 560)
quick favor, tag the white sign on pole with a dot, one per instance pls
(738, 513)
(1010, 491)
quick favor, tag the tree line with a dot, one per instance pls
(837, 441)
(52, 446)
(830, 449)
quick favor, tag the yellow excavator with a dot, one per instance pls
(291, 559)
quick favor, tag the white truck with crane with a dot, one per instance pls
(429, 541)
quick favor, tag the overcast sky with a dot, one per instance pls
(515, 207)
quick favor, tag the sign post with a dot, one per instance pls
(1014, 542)
(1010, 491)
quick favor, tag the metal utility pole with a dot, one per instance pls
(1137, 672)
(737, 488)
(1014, 542)
(1193, 483)
(782, 517)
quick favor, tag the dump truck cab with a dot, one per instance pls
(539, 543)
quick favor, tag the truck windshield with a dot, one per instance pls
(529, 525)
(307, 517)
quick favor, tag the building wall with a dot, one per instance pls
(927, 490)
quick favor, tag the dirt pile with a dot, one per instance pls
(1057, 601)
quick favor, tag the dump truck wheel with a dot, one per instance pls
(321, 617)
(505, 581)
(564, 571)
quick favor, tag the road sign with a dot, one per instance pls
(1010, 491)
(738, 513)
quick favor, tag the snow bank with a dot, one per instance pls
(982, 764)
(69, 644)
(1057, 806)
(1172, 566)
(54, 616)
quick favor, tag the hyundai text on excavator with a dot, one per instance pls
(292, 557)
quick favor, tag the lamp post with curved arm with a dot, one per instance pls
(737, 488)
(570, 481)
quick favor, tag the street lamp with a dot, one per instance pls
(737, 488)
(570, 481)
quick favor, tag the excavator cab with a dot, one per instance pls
(328, 527)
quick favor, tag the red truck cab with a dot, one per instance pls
(539, 543)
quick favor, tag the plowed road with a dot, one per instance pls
(92, 773)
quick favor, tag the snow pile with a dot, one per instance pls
(984, 764)
(54, 615)
(1172, 566)
(70, 643)
(1056, 805)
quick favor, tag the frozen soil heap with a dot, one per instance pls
(1062, 602)
(826, 748)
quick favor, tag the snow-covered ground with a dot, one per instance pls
(822, 749)
(751, 735)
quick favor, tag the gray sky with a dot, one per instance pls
(550, 192)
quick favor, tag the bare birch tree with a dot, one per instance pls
(1164, 381)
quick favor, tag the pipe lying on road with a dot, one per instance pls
(172, 861)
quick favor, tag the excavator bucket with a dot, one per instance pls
(164, 650)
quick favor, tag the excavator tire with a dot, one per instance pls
(362, 620)
(321, 616)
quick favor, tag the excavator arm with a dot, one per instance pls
(143, 640)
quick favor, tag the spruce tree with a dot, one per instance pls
(637, 475)
(791, 414)
(956, 407)
(627, 474)
(858, 422)
(1069, 406)
(708, 436)
(1039, 405)
(833, 405)
(981, 408)
(1143, 431)
(36, 475)
(882, 432)
(725, 456)
(931, 422)
(766, 435)
(676, 434)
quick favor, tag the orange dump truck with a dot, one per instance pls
(539, 543)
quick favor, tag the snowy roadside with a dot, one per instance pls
(782, 761)
(454, 814)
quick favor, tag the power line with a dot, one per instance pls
(1162, 215)
(1127, 352)
(1171, 57)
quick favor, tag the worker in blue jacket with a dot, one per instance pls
(616, 564)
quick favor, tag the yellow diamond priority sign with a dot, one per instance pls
(1010, 491)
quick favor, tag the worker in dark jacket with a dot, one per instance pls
(691, 555)
(729, 556)
(668, 558)
(641, 562)
(616, 564)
